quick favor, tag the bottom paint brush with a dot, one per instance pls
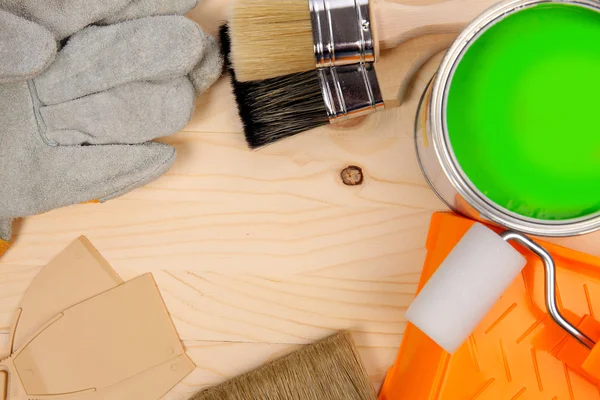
(276, 108)
(282, 107)
(270, 109)
(330, 369)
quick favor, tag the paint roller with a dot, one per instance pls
(470, 281)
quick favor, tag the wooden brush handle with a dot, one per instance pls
(396, 23)
(397, 67)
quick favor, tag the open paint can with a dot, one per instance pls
(508, 130)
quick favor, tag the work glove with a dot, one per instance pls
(76, 126)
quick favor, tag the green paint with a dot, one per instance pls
(523, 112)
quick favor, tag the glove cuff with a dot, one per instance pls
(3, 246)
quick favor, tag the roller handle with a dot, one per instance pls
(396, 23)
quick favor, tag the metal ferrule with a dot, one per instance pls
(342, 32)
(350, 91)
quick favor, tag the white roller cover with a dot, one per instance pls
(465, 287)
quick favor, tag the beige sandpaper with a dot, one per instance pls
(105, 340)
(76, 274)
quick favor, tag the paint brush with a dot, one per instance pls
(271, 38)
(330, 369)
(281, 107)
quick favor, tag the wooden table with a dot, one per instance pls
(259, 252)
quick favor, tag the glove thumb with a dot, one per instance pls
(209, 68)
(26, 48)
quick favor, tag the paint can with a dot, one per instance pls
(437, 157)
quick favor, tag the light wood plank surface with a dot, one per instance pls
(259, 252)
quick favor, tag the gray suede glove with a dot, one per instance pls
(29, 30)
(80, 130)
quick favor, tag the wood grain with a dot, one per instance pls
(259, 252)
(398, 21)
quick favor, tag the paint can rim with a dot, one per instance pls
(441, 140)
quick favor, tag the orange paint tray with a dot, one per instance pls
(517, 351)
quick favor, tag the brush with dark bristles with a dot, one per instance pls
(271, 38)
(330, 369)
(277, 108)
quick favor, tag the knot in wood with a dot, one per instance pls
(352, 176)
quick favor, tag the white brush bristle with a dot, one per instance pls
(465, 287)
(270, 38)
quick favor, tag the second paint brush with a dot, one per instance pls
(277, 108)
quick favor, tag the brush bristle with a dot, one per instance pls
(327, 370)
(277, 108)
(270, 38)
